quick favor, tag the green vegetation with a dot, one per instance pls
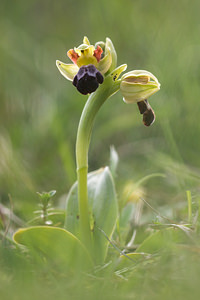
(156, 179)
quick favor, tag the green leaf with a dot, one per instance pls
(165, 239)
(129, 259)
(125, 220)
(114, 159)
(54, 245)
(103, 210)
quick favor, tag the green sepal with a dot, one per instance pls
(117, 72)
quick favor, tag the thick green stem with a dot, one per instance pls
(93, 104)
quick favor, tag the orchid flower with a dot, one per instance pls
(91, 64)
(136, 86)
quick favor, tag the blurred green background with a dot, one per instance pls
(39, 115)
(40, 110)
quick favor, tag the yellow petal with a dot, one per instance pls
(84, 49)
(67, 70)
(86, 55)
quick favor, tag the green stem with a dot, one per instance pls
(92, 106)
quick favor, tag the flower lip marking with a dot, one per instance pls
(87, 79)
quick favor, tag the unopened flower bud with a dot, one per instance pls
(138, 85)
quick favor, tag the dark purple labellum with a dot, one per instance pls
(142, 105)
(87, 79)
(148, 117)
(147, 112)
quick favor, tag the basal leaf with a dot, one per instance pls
(57, 246)
(164, 239)
(130, 259)
(103, 210)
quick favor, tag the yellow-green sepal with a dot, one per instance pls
(109, 47)
(117, 72)
(67, 70)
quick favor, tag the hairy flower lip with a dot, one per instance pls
(147, 112)
(87, 79)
